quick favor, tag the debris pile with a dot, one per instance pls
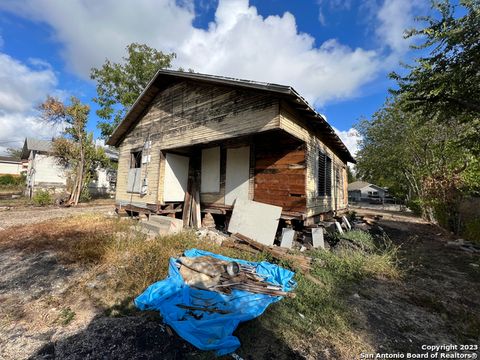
(244, 243)
(207, 295)
(209, 273)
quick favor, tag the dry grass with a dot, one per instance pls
(122, 263)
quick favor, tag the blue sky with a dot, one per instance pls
(336, 53)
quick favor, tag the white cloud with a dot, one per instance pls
(90, 31)
(351, 138)
(22, 88)
(238, 43)
(393, 18)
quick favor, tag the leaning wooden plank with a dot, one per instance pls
(302, 262)
(196, 209)
(187, 208)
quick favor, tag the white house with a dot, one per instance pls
(10, 166)
(364, 191)
(44, 172)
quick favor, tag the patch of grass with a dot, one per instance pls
(66, 316)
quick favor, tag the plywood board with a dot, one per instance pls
(237, 174)
(176, 177)
(210, 173)
(134, 181)
(255, 220)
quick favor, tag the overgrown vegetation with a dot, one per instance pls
(423, 144)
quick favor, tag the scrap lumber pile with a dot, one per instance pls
(241, 242)
(209, 273)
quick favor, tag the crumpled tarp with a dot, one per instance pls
(205, 330)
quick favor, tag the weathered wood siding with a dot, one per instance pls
(189, 113)
(293, 123)
(280, 170)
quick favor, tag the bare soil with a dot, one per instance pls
(14, 216)
(44, 316)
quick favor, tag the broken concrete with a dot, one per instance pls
(287, 238)
(317, 238)
(162, 225)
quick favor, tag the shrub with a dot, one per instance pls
(8, 180)
(42, 198)
(472, 230)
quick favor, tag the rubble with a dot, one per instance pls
(213, 235)
(242, 242)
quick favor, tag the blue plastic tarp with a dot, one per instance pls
(210, 330)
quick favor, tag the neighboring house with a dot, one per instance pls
(105, 181)
(231, 139)
(10, 165)
(44, 172)
(363, 191)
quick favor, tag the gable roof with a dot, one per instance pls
(359, 185)
(164, 78)
(32, 144)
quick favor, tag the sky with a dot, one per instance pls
(336, 53)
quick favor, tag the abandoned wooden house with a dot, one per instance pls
(217, 139)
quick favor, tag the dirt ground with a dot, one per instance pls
(14, 216)
(42, 317)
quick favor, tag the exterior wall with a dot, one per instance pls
(10, 168)
(188, 114)
(47, 172)
(280, 170)
(292, 123)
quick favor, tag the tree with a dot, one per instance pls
(445, 84)
(418, 160)
(75, 149)
(119, 84)
(16, 153)
(350, 175)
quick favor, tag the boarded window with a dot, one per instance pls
(210, 175)
(324, 175)
(135, 172)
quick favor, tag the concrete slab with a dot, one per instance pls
(317, 238)
(287, 238)
(163, 224)
(256, 220)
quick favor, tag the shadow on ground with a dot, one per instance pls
(144, 336)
